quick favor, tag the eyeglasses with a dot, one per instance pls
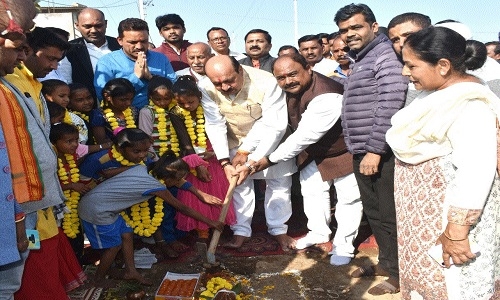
(13, 31)
(219, 39)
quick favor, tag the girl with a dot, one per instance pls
(188, 99)
(116, 110)
(100, 208)
(166, 129)
(58, 91)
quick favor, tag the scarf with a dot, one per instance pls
(419, 131)
(26, 177)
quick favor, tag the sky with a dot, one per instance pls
(277, 16)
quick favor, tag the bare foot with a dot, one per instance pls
(178, 246)
(236, 242)
(287, 243)
(138, 277)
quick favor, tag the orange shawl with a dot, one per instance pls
(26, 176)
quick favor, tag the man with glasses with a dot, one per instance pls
(246, 118)
(220, 41)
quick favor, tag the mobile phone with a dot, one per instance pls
(436, 253)
(33, 238)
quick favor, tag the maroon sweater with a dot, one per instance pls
(178, 62)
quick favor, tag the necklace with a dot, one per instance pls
(167, 137)
(81, 115)
(119, 158)
(109, 115)
(140, 217)
(67, 118)
(198, 135)
(70, 173)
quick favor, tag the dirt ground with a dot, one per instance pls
(303, 275)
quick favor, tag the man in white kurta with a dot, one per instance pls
(246, 117)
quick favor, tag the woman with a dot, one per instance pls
(446, 186)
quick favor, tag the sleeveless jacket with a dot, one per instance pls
(329, 152)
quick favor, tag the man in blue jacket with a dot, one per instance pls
(374, 91)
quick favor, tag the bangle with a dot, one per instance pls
(100, 146)
(243, 152)
(225, 164)
(250, 167)
(454, 240)
(268, 161)
(21, 219)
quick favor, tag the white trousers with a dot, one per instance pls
(277, 206)
(348, 211)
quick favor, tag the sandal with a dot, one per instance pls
(385, 287)
(369, 271)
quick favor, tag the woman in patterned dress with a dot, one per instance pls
(446, 186)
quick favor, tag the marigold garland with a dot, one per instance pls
(109, 115)
(81, 115)
(67, 118)
(198, 135)
(141, 220)
(70, 173)
(166, 132)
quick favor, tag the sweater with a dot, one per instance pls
(374, 91)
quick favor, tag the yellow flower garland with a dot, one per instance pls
(71, 222)
(109, 115)
(198, 135)
(165, 129)
(81, 115)
(141, 221)
(67, 118)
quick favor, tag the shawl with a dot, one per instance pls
(419, 131)
(26, 176)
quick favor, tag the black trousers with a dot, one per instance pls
(377, 196)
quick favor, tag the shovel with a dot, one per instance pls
(225, 206)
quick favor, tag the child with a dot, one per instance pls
(100, 208)
(57, 114)
(116, 110)
(166, 129)
(58, 91)
(188, 99)
(56, 257)
(81, 103)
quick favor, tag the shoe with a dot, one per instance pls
(338, 260)
(309, 240)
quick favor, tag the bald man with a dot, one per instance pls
(85, 51)
(246, 117)
(197, 56)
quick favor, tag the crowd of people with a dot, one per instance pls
(110, 138)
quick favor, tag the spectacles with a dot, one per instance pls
(14, 31)
(220, 39)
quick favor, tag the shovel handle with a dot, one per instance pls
(222, 217)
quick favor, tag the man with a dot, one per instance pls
(287, 49)
(43, 53)
(339, 51)
(314, 104)
(324, 42)
(373, 93)
(493, 50)
(15, 184)
(245, 115)
(311, 48)
(219, 40)
(172, 30)
(133, 62)
(197, 56)
(257, 47)
(84, 53)
(399, 28)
